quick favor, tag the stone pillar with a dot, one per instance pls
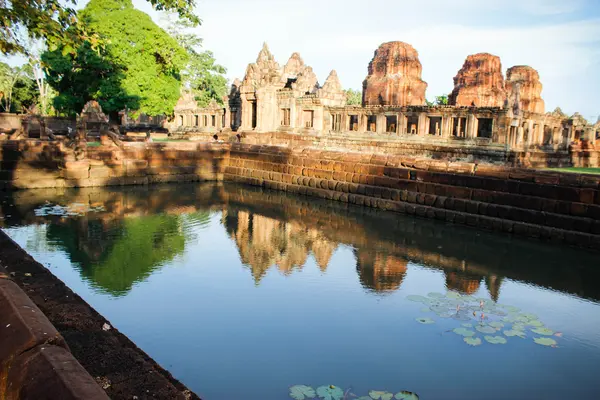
(381, 123)
(362, 128)
(446, 126)
(422, 124)
(401, 123)
(227, 112)
(471, 126)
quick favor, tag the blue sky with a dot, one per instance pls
(560, 38)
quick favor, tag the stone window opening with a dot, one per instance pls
(484, 127)
(254, 112)
(214, 120)
(565, 135)
(285, 116)
(435, 125)
(459, 126)
(308, 118)
(372, 123)
(195, 120)
(353, 123)
(181, 120)
(412, 125)
(336, 122)
(391, 123)
(205, 120)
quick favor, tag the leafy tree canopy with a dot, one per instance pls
(56, 22)
(138, 67)
(354, 97)
(17, 88)
(201, 75)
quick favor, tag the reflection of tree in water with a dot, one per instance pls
(263, 242)
(379, 271)
(116, 254)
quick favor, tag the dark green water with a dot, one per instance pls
(242, 294)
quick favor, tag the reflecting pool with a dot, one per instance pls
(244, 294)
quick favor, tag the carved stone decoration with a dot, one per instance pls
(479, 83)
(394, 77)
(332, 93)
(92, 119)
(525, 81)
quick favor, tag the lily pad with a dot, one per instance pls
(485, 329)
(453, 295)
(330, 392)
(545, 341)
(425, 320)
(536, 323)
(301, 392)
(467, 325)
(529, 316)
(377, 395)
(464, 332)
(495, 339)
(496, 324)
(472, 341)
(435, 295)
(425, 309)
(404, 395)
(543, 331)
(417, 298)
(518, 327)
(513, 332)
(511, 309)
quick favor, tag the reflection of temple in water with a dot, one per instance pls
(264, 242)
(379, 271)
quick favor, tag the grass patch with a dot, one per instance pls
(169, 140)
(93, 144)
(576, 170)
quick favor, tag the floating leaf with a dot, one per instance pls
(301, 392)
(404, 395)
(330, 392)
(518, 327)
(467, 325)
(545, 341)
(435, 295)
(535, 323)
(417, 298)
(495, 339)
(425, 320)
(461, 316)
(425, 309)
(513, 332)
(529, 315)
(364, 398)
(543, 331)
(511, 309)
(453, 295)
(496, 324)
(472, 341)
(377, 395)
(485, 329)
(464, 332)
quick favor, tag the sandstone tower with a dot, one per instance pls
(523, 85)
(479, 82)
(394, 77)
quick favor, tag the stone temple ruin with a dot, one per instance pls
(485, 108)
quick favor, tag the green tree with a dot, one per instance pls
(17, 89)
(201, 75)
(83, 76)
(56, 22)
(138, 67)
(354, 97)
(441, 100)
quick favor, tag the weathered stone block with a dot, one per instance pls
(24, 326)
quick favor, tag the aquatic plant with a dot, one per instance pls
(496, 322)
(331, 392)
